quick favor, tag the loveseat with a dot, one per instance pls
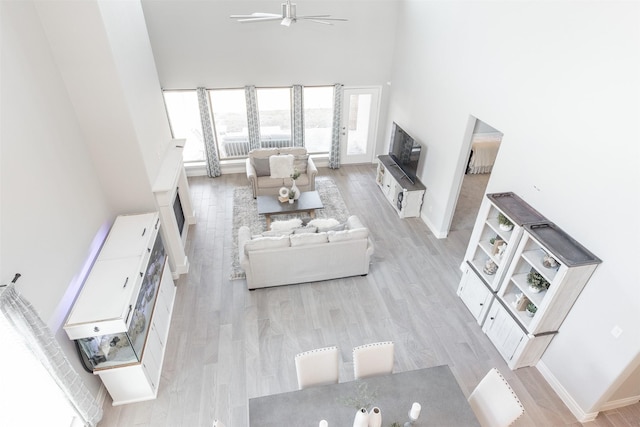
(265, 181)
(307, 256)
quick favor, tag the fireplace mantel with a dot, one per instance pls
(171, 182)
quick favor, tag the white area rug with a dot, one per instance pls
(245, 212)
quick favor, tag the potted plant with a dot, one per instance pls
(536, 282)
(295, 175)
(504, 223)
(292, 195)
(531, 309)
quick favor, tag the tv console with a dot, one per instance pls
(405, 196)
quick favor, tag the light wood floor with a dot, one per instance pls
(227, 344)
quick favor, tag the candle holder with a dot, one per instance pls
(414, 413)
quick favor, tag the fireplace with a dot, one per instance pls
(171, 192)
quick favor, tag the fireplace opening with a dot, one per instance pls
(177, 209)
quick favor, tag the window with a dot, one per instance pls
(274, 112)
(184, 119)
(318, 118)
(229, 120)
(229, 111)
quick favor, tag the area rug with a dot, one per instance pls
(245, 212)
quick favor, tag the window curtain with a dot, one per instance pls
(298, 116)
(37, 337)
(253, 121)
(211, 151)
(334, 152)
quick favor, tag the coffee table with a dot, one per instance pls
(308, 202)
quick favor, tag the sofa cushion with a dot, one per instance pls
(308, 239)
(273, 233)
(262, 153)
(286, 225)
(261, 166)
(268, 182)
(341, 236)
(281, 166)
(294, 151)
(266, 243)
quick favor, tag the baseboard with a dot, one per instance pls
(437, 233)
(556, 385)
(615, 404)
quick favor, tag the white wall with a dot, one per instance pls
(52, 202)
(561, 81)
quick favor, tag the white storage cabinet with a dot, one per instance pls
(120, 320)
(521, 339)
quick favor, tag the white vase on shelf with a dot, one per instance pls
(361, 419)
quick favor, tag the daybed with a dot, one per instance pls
(266, 180)
(306, 256)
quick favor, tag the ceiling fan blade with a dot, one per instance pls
(318, 21)
(256, 15)
(265, 18)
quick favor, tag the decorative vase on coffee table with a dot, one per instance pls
(295, 190)
(361, 419)
(375, 417)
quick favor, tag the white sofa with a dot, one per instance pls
(259, 174)
(305, 257)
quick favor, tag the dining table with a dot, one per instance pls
(436, 390)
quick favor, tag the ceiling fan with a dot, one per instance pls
(287, 17)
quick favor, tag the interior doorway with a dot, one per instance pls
(482, 146)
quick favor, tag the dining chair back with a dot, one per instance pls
(494, 402)
(373, 359)
(317, 367)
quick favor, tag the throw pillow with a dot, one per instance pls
(308, 239)
(300, 163)
(324, 224)
(261, 166)
(287, 225)
(281, 166)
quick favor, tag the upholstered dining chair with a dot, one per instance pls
(373, 359)
(494, 402)
(317, 367)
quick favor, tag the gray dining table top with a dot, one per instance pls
(435, 389)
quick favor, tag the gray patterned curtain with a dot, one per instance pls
(253, 121)
(298, 116)
(334, 153)
(210, 148)
(37, 337)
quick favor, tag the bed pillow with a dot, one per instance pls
(281, 166)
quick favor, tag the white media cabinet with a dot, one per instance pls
(405, 197)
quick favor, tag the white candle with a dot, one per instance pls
(414, 413)
(324, 423)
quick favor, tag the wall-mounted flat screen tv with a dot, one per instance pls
(405, 152)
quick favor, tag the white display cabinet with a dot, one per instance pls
(120, 320)
(405, 197)
(498, 301)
